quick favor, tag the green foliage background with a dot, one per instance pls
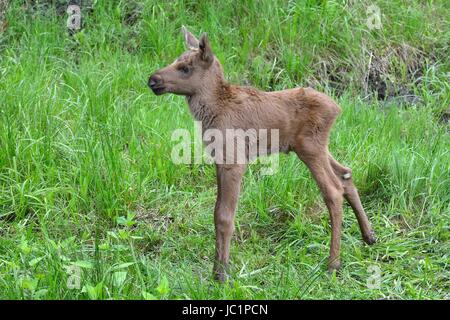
(86, 178)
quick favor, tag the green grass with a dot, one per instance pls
(86, 177)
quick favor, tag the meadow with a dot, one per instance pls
(92, 207)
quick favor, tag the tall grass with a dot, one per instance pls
(86, 178)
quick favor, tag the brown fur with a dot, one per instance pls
(303, 117)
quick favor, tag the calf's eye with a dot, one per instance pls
(184, 69)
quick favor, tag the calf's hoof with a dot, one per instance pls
(334, 265)
(220, 276)
(370, 238)
(220, 272)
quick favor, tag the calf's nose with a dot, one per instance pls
(154, 80)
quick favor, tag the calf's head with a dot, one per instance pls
(191, 72)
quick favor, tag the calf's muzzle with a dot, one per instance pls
(156, 83)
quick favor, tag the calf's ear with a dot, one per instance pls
(190, 40)
(205, 48)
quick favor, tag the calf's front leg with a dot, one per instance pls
(229, 179)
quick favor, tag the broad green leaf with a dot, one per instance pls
(35, 261)
(83, 264)
(119, 278)
(163, 287)
(29, 284)
(123, 265)
(148, 296)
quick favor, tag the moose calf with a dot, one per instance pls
(302, 116)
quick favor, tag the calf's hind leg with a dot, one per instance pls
(316, 159)
(352, 196)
